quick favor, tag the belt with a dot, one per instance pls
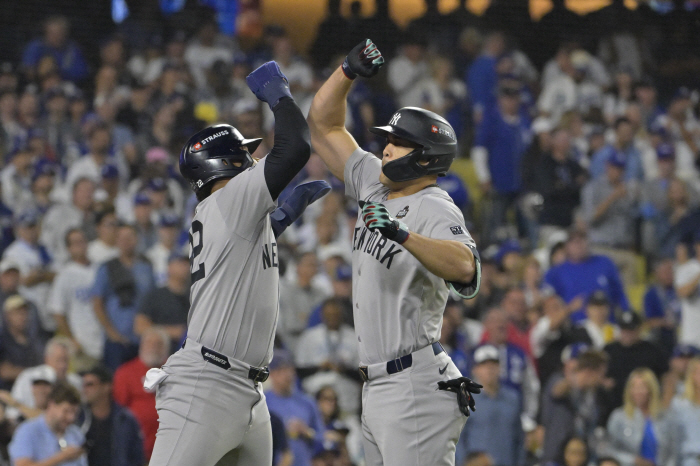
(256, 374)
(399, 364)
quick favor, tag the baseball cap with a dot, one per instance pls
(485, 353)
(28, 218)
(685, 351)
(169, 220)
(99, 371)
(580, 59)
(629, 320)
(507, 247)
(142, 199)
(158, 184)
(14, 302)
(156, 154)
(43, 374)
(542, 125)
(617, 159)
(598, 298)
(282, 358)
(43, 168)
(109, 172)
(343, 272)
(597, 130)
(658, 129)
(8, 264)
(665, 151)
(573, 351)
(682, 93)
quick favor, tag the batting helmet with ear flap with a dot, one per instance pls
(219, 151)
(435, 137)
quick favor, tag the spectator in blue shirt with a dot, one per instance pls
(481, 76)
(51, 438)
(298, 411)
(502, 138)
(624, 144)
(120, 285)
(495, 427)
(56, 44)
(583, 273)
(662, 307)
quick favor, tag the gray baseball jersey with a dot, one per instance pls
(398, 304)
(235, 274)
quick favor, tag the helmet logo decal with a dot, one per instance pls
(434, 129)
(395, 119)
(198, 146)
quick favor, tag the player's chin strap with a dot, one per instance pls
(469, 290)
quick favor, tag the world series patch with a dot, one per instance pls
(402, 213)
(457, 230)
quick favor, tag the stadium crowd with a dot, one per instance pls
(579, 180)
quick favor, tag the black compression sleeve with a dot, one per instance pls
(292, 146)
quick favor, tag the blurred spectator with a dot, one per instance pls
(43, 186)
(478, 458)
(496, 428)
(687, 285)
(9, 286)
(623, 151)
(160, 253)
(673, 381)
(331, 37)
(616, 101)
(684, 128)
(297, 71)
(630, 352)
(120, 285)
(454, 341)
(518, 324)
(167, 307)
(90, 165)
(638, 433)
(298, 411)
(61, 218)
(112, 434)
(15, 179)
(686, 417)
(42, 384)
(207, 47)
(481, 76)
(52, 438)
(662, 308)
(128, 384)
(57, 46)
(501, 141)
(18, 348)
(144, 227)
(408, 69)
(281, 454)
(35, 264)
(104, 248)
(571, 403)
(70, 304)
(344, 431)
(597, 323)
(583, 273)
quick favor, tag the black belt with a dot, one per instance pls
(256, 374)
(399, 364)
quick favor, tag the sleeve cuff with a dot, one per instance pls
(469, 290)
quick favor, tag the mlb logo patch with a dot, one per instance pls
(457, 230)
(434, 129)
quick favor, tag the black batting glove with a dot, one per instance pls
(363, 60)
(463, 387)
(376, 217)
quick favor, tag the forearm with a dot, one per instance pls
(101, 314)
(9, 371)
(175, 332)
(328, 108)
(450, 260)
(601, 210)
(689, 288)
(62, 325)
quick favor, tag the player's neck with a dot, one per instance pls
(413, 188)
(219, 184)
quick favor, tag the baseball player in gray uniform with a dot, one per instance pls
(409, 246)
(210, 403)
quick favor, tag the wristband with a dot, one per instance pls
(347, 71)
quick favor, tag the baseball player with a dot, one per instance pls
(210, 403)
(409, 246)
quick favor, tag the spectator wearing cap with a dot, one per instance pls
(646, 96)
(552, 333)
(407, 69)
(662, 308)
(673, 382)
(558, 178)
(56, 44)
(63, 217)
(16, 178)
(341, 283)
(168, 305)
(143, 222)
(327, 354)
(161, 204)
(104, 247)
(501, 141)
(684, 128)
(55, 369)
(159, 254)
(111, 193)
(597, 322)
(495, 427)
(623, 150)
(42, 383)
(70, 304)
(637, 431)
(685, 412)
(90, 165)
(207, 47)
(43, 186)
(297, 410)
(630, 352)
(687, 284)
(572, 401)
(112, 433)
(509, 259)
(481, 77)
(583, 273)
(52, 438)
(18, 349)
(35, 264)
(9, 286)
(344, 431)
(55, 122)
(128, 384)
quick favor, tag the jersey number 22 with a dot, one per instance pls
(197, 230)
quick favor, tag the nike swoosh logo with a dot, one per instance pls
(442, 371)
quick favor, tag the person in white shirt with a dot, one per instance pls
(159, 254)
(687, 284)
(207, 47)
(407, 69)
(104, 247)
(35, 264)
(62, 217)
(90, 165)
(298, 72)
(597, 323)
(16, 179)
(71, 306)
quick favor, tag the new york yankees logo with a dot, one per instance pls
(395, 119)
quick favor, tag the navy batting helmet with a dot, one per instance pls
(219, 151)
(436, 140)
